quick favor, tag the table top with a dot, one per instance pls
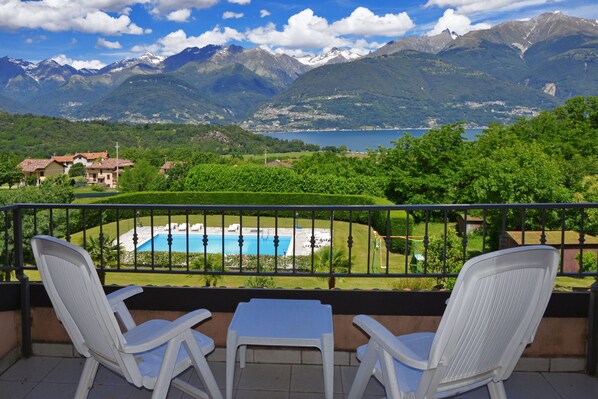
(291, 319)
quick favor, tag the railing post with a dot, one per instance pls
(17, 225)
(592, 355)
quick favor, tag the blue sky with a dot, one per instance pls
(94, 33)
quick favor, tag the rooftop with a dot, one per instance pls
(31, 165)
(111, 163)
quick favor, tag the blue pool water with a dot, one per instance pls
(231, 244)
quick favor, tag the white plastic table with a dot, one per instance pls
(281, 322)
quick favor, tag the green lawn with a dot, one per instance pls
(360, 234)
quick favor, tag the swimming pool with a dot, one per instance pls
(231, 244)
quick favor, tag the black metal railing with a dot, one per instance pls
(374, 241)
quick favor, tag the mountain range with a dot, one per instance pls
(514, 69)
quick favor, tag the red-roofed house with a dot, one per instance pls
(41, 168)
(105, 171)
(66, 160)
(85, 158)
(88, 158)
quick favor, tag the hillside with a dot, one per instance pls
(38, 136)
(157, 98)
(406, 89)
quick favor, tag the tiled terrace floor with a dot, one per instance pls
(56, 378)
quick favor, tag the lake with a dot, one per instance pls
(357, 140)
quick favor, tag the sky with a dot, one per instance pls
(94, 33)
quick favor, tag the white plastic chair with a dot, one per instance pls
(148, 355)
(493, 313)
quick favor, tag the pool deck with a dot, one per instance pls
(300, 246)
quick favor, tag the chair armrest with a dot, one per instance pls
(116, 300)
(166, 333)
(124, 293)
(390, 343)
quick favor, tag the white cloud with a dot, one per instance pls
(454, 22)
(167, 6)
(181, 15)
(241, 2)
(364, 22)
(176, 42)
(78, 64)
(303, 30)
(264, 13)
(363, 47)
(230, 15)
(101, 42)
(35, 39)
(142, 49)
(476, 6)
(63, 15)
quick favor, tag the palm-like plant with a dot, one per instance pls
(211, 262)
(334, 260)
(104, 251)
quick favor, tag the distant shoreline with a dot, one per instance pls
(356, 130)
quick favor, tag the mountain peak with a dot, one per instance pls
(151, 58)
(333, 56)
(424, 44)
(524, 34)
(191, 54)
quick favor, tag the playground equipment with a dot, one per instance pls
(414, 248)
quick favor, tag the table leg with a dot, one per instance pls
(242, 355)
(231, 354)
(328, 364)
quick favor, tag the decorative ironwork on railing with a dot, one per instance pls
(325, 241)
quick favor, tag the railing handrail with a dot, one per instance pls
(403, 207)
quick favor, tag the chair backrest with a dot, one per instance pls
(493, 313)
(79, 301)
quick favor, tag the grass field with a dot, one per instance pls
(375, 265)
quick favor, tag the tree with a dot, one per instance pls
(589, 262)
(57, 190)
(424, 170)
(78, 169)
(445, 255)
(52, 190)
(142, 177)
(517, 172)
(589, 193)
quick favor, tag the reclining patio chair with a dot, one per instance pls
(493, 313)
(148, 355)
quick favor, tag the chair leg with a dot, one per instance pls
(166, 369)
(497, 390)
(364, 372)
(90, 368)
(201, 366)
